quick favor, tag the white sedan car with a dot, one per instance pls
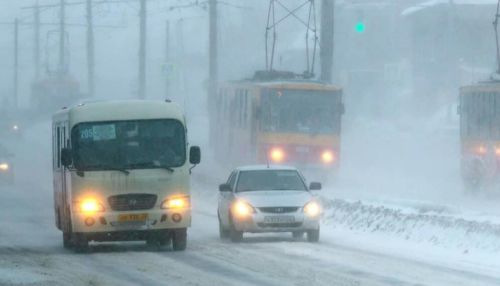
(268, 199)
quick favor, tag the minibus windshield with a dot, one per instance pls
(134, 144)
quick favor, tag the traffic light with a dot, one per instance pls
(360, 27)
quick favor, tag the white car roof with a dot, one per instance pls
(265, 167)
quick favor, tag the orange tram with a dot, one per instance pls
(292, 122)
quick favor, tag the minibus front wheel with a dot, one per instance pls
(179, 239)
(81, 242)
(67, 242)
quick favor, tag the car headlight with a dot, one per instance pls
(4, 167)
(312, 209)
(89, 206)
(176, 203)
(242, 209)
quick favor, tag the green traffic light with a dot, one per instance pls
(360, 27)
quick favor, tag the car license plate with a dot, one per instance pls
(279, 219)
(132, 217)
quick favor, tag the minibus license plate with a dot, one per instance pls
(132, 217)
(279, 219)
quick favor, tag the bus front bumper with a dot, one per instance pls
(131, 221)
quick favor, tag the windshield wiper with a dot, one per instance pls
(112, 168)
(152, 165)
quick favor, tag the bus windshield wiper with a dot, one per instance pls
(112, 168)
(152, 165)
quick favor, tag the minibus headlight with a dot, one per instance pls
(312, 209)
(176, 203)
(4, 167)
(89, 206)
(242, 209)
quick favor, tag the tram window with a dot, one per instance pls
(58, 148)
(240, 108)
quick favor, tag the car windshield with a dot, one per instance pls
(269, 180)
(129, 144)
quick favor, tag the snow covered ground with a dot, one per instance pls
(394, 216)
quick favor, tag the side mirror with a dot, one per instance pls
(315, 186)
(195, 155)
(66, 157)
(225, 188)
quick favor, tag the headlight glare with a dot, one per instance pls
(327, 157)
(90, 206)
(242, 209)
(277, 155)
(176, 203)
(312, 209)
(4, 167)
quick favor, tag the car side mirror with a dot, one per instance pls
(315, 186)
(66, 157)
(225, 188)
(195, 155)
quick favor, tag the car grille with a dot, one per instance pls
(278, 225)
(132, 202)
(279, 210)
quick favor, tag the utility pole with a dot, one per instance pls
(167, 59)
(90, 50)
(16, 64)
(213, 54)
(212, 62)
(142, 51)
(62, 68)
(36, 54)
(327, 39)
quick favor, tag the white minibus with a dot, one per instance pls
(121, 173)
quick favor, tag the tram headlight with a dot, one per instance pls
(277, 155)
(497, 151)
(327, 157)
(4, 167)
(481, 150)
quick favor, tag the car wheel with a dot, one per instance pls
(298, 234)
(179, 239)
(81, 243)
(67, 242)
(223, 232)
(235, 235)
(313, 235)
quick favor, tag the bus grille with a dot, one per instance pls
(132, 202)
(278, 210)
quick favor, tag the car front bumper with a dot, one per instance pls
(267, 222)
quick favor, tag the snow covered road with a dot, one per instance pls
(31, 253)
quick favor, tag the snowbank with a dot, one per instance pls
(424, 225)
